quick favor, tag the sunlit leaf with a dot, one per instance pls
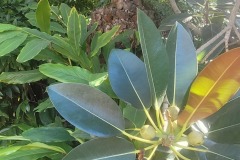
(182, 63)
(213, 87)
(104, 149)
(7, 27)
(87, 108)
(155, 56)
(75, 74)
(128, 78)
(43, 13)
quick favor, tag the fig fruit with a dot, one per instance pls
(195, 138)
(147, 132)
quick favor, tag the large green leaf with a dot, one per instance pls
(225, 124)
(87, 108)
(7, 27)
(155, 56)
(21, 77)
(83, 26)
(65, 11)
(182, 63)
(32, 151)
(49, 55)
(43, 14)
(104, 149)
(104, 39)
(31, 49)
(7, 35)
(74, 31)
(128, 78)
(75, 74)
(12, 43)
(47, 134)
(224, 152)
(213, 87)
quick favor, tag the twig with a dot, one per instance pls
(212, 50)
(211, 40)
(231, 22)
(236, 32)
(176, 10)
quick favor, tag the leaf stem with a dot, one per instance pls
(152, 153)
(178, 154)
(138, 138)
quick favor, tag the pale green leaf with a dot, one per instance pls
(43, 13)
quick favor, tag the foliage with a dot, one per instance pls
(66, 49)
(139, 84)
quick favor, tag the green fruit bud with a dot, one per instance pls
(147, 132)
(173, 111)
(195, 138)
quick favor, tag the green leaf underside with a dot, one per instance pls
(104, 149)
(31, 49)
(182, 62)
(87, 108)
(73, 74)
(47, 134)
(21, 77)
(128, 78)
(155, 56)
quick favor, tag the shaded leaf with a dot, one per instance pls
(75, 74)
(50, 56)
(21, 77)
(213, 87)
(104, 39)
(155, 57)
(182, 63)
(224, 151)
(225, 124)
(87, 108)
(31, 49)
(168, 22)
(57, 27)
(43, 13)
(44, 105)
(47, 134)
(65, 11)
(113, 149)
(11, 44)
(128, 78)
(73, 30)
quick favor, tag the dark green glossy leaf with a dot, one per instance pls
(31, 49)
(104, 149)
(87, 108)
(155, 57)
(182, 62)
(225, 124)
(75, 74)
(47, 134)
(21, 77)
(43, 13)
(11, 44)
(224, 152)
(128, 78)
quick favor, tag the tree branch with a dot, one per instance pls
(176, 10)
(231, 22)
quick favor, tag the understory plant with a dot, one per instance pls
(165, 110)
